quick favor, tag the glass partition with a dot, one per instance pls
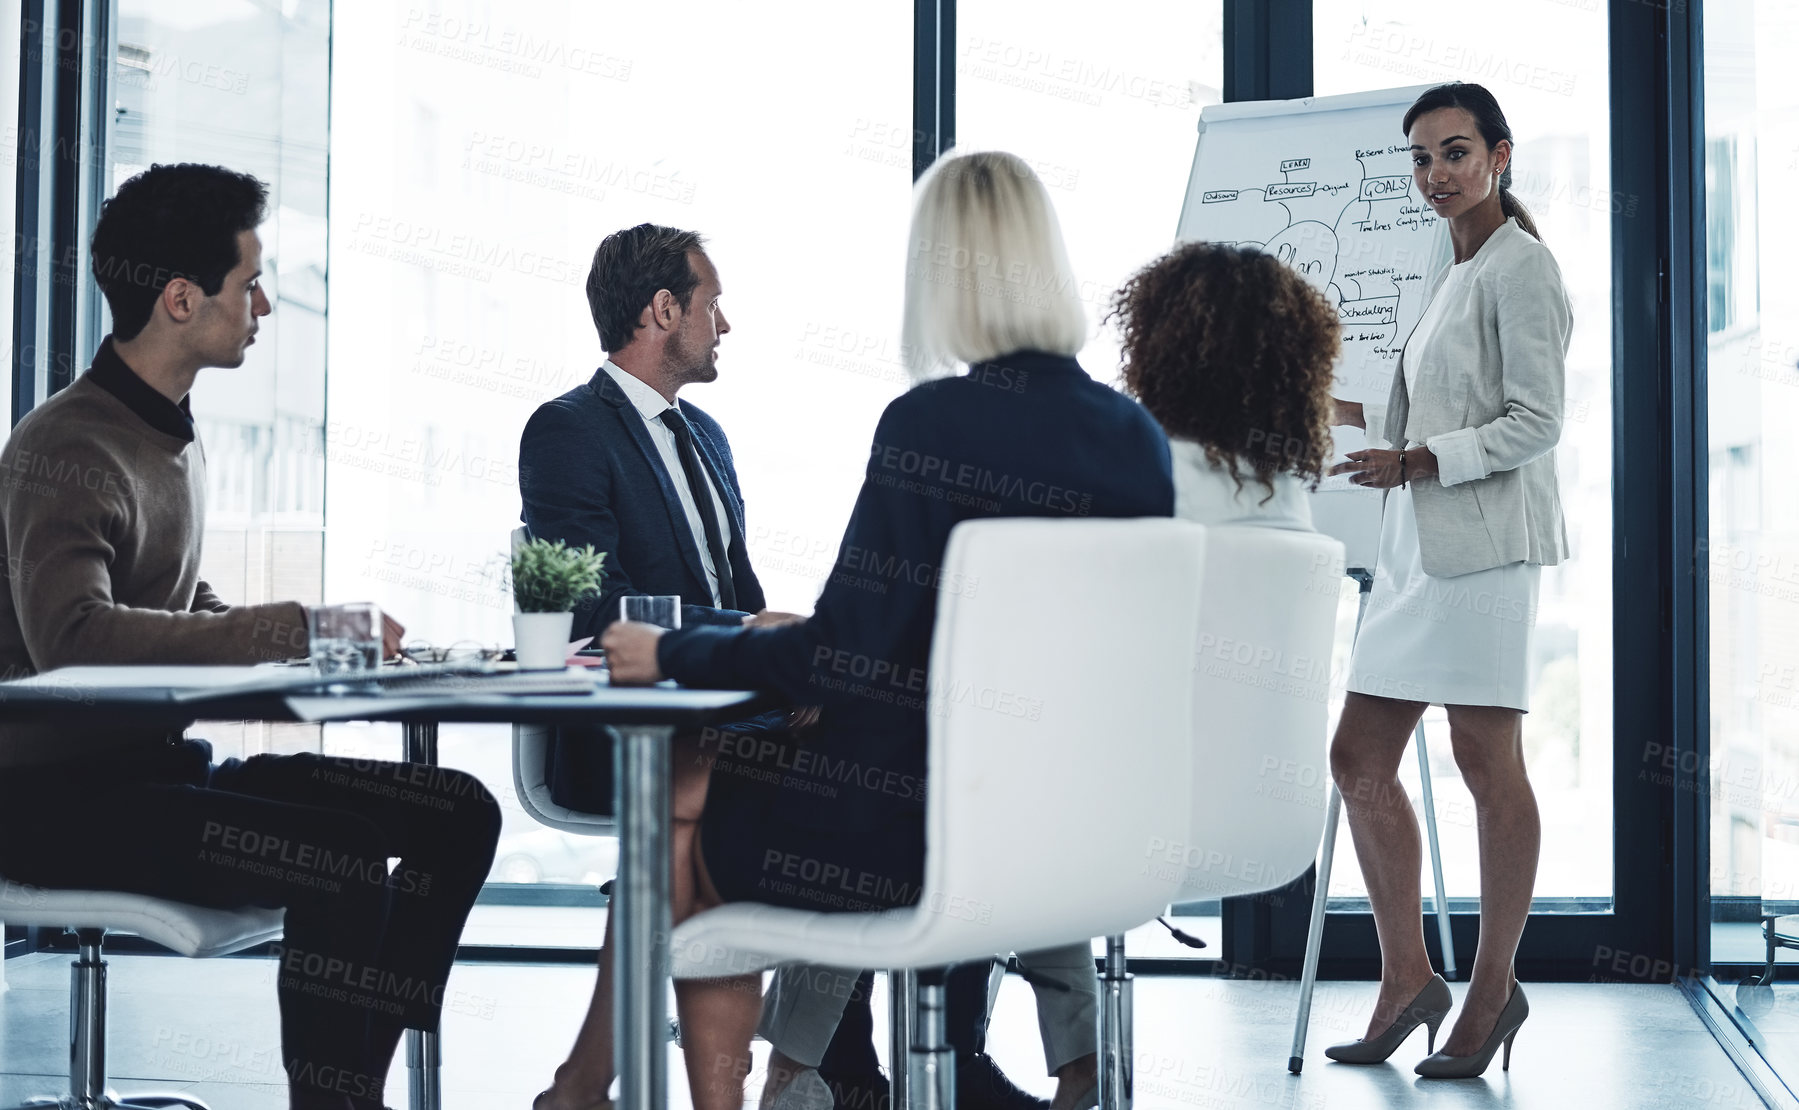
(1751, 555)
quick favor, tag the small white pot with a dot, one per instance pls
(542, 640)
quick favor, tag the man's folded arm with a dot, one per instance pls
(207, 601)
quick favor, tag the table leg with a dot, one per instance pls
(640, 916)
(424, 1060)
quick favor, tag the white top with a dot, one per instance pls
(651, 405)
(1206, 494)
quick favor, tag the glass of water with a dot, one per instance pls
(345, 639)
(661, 611)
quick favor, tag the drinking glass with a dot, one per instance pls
(345, 639)
(664, 612)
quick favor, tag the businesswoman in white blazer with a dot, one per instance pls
(1464, 448)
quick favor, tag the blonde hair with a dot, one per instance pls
(987, 273)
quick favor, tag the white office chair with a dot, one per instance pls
(1261, 712)
(1059, 755)
(187, 930)
(530, 762)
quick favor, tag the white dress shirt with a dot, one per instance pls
(651, 405)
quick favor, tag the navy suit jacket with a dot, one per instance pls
(1029, 434)
(589, 473)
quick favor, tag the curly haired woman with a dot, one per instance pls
(1231, 352)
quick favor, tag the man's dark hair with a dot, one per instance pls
(629, 268)
(171, 222)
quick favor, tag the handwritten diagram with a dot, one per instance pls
(1345, 216)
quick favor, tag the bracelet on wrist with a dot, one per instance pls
(1402, 468)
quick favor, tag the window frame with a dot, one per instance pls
(1661, 908)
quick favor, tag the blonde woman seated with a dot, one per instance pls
(1023, 409)
(1231, 352)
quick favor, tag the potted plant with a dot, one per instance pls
(549, 578)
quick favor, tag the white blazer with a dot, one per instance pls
(1206, 494)
(1486, 398)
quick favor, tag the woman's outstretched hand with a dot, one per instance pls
(1376, 468)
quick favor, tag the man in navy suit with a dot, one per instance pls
(621, 464)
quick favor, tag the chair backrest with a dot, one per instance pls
(531, 762)
(1060, 724)
(1261, 709)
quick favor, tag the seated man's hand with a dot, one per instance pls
(631, 652)
(772, 618)
(393, 633)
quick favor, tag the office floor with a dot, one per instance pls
(208, 1028)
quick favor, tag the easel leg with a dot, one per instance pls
(1333, 809)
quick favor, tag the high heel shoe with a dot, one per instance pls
(1439, 1066)
(600, 1104)
(1428, 1009)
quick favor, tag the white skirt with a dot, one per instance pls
(1448, 641)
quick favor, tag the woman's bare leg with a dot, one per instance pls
(1370, 741)
(585, 1078)
(1489, 749)
(718, 1016)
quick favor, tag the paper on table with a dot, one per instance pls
(1345, 439)
(353, 709)
(177, 683)
(576, 660)
(139, 677)
(363, 707)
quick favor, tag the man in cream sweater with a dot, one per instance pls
(102, 514)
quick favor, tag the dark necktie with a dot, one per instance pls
(702, 499)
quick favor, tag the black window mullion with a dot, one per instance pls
(1267, 49)
(55, 69)
(933, 81)
(1687, 885)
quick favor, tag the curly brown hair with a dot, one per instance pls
(1229, 348)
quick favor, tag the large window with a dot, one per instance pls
(245, 86)
(1752, 548)
(480, 153)
(1106, 110)
(1552, 85)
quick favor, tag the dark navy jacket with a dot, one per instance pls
(1029, 434)
(589, 473)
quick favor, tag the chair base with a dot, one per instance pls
(112, 1100)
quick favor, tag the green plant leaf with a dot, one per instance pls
(548, 576)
